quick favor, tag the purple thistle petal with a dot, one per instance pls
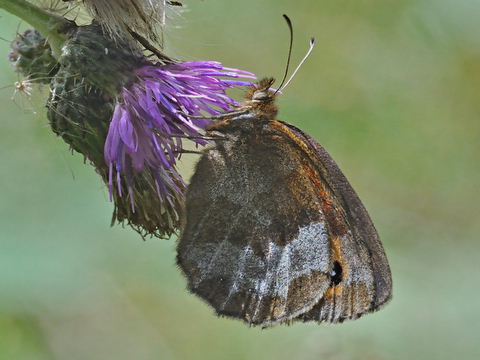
(127, 132)
(149, 117)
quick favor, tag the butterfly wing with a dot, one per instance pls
(267, 230)
(366, 283)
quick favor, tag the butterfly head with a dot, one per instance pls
(261, 99)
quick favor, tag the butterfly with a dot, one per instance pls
(274, 231)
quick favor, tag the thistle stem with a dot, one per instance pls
(51, 26)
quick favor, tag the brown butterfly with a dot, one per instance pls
(274, 231)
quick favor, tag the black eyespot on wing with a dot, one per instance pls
(336, 276)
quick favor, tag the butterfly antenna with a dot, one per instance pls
(312, 44)
(290, 27)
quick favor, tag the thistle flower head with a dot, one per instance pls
(152, 116)
(129, 115)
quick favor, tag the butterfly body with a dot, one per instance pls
(274, 232)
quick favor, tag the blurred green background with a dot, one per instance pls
(392, 91)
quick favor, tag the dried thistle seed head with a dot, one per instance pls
(121, 17)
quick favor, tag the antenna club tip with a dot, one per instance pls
(287, 19)
(312, 40)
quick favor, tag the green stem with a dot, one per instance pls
(49, 25)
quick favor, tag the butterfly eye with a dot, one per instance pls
(336, 273)
(260, 95)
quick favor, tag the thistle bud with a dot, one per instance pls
(32, 56)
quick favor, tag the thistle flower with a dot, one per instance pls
(128, 116)
(125, 113)
(152, 116)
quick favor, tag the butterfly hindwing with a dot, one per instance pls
(366, 283)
